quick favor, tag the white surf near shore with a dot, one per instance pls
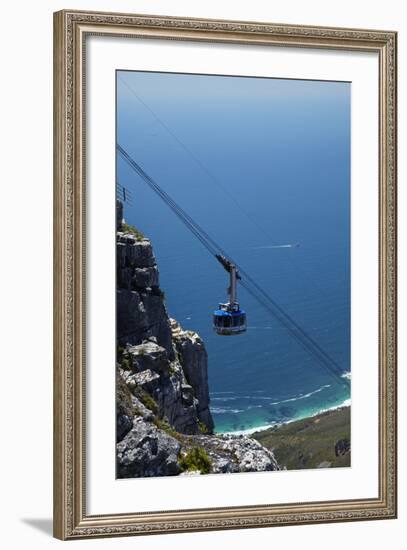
(270, 400)
(346, 403)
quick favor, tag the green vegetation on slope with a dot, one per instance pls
(319, 441)
(146, 399)
(127, 228)
(124, 402)
(196, 459)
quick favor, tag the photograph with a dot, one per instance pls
(233, 274)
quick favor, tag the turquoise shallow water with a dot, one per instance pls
(280, 154)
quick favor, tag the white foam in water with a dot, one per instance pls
(226, 410)
(264, 398)
(220, 410)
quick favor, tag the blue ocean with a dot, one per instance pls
(263, 165)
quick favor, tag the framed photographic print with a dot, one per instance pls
(225, 274)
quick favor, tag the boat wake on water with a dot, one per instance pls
(290, 245)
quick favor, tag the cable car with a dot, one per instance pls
(229, 319)
(228, 322)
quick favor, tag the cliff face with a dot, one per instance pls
(157, 357)
(193, 359)
(141, 312)
(164, 425)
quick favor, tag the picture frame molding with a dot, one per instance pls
(70, 31)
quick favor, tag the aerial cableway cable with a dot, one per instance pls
(257, 292)
(250, 285)
(199, 163)
(179, 212)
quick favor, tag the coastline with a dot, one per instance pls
(265, 427)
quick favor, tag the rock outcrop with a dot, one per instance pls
(234, 453)
(147, 451)
(164, 424)
(194, 361)
(147, 369)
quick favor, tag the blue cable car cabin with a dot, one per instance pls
(229, 323)
(229, 319)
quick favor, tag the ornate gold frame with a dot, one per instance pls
(70, 31)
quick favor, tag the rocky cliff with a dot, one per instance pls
(164, 425)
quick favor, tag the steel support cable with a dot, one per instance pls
(300, 335)
(292, 322)
(336, 374)
(281, 316)
(314, 348)
(289, 321)
(167, 199)
(199, 163)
